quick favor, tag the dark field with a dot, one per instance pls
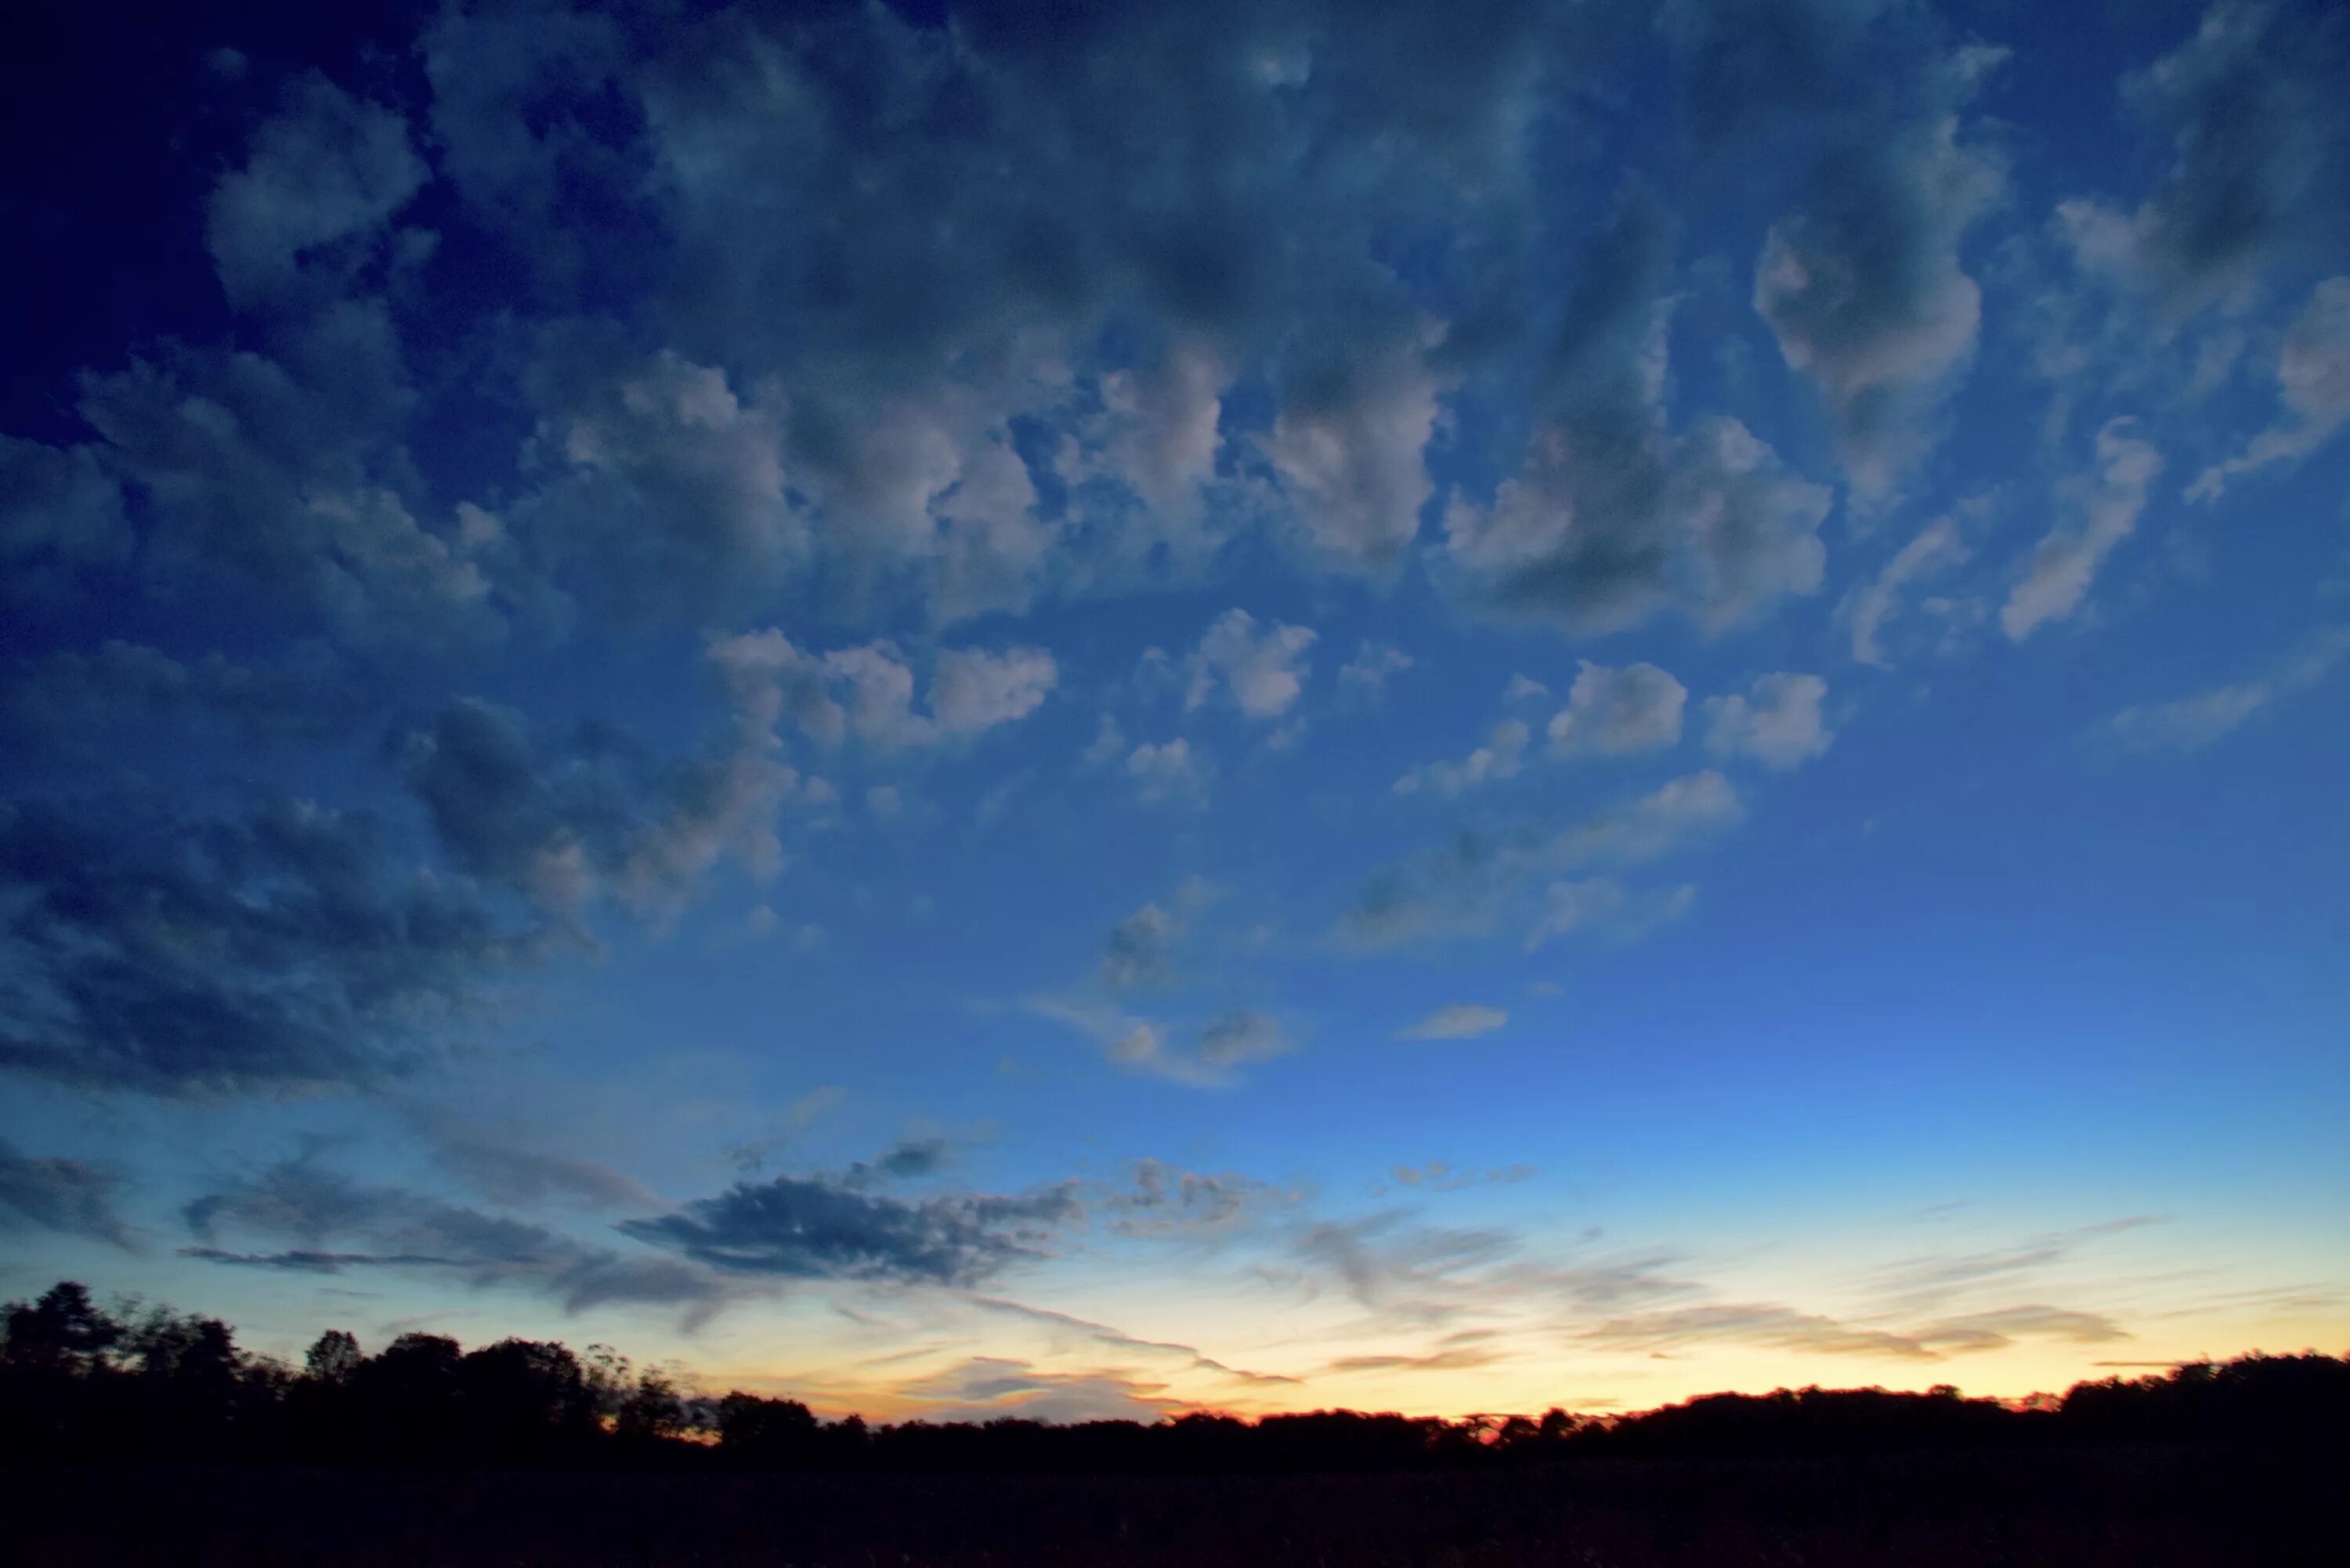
(2118, 1508)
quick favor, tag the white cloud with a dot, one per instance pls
(1264, 671)
(1604, 905)
(2106, 508)
(1778, 721)
(975, 689)
(1374, 664)
(1618, 711)
(2193, 722)
(1169, 770)
(1864, 290)
(1347, 444)
(1498, 758)
(2312, 382)
(1462, 1021)
(1937, 548)
(868, 691)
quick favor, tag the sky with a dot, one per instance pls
(1038, 709)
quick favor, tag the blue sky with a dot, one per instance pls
(968, 711)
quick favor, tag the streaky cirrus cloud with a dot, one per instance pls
(1461, 1020)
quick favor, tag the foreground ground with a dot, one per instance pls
(2138, 1509)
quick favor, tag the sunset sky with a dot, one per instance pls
(1067, 710)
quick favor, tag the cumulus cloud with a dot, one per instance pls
(1618, 711)
(2312, 383)
(1462, 1021)
(1777, 721)
(1600, 536)
(60, 514)
(1169, 770)
(1467, 885)
(568, 819)
(1374, 665)
(1140, 950)
(275, 951)
(327, 171)
(2190, 723)
(2250, 109)
(67, 1196)
(2104, 508)
(1263, 671)
(1347, 444)
(973, 690)
(1936, 548)
(1612, 516)
(1863, 288)
(670, 497)
(288, 473)
(867, 692)
(1498, 758)
(71, 700)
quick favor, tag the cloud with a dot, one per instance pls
(1612, 516)
(1139, 950)
(2190, 723)
(494, 1162)
(671, 498)
(815, 1228)
(75, 703)
(1498, 758)
(1203, 1054)
(1263, 672)
(1618, 711)
(275, 951)
(1169, 770)
(1462, 1021)
(1347, 444)
(1777, 722)
(2250, 111)
(995, 1388)
(1374, 665)
(1863, 288)
(907, 1160)
(1936, 548)
(1465, 886)
(1760, 1324)
(2313, 384)
(973, 689)
(1598, 537)
(325, 173)
(1165, 1201)
(60, 514)
(2104, 508)
(304, 1202)
(67, 1196)
(567, 819)
(1393, 1267)
(867, 692)
(1603, 904)
(1437, 1176)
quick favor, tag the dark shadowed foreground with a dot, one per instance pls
(2102, 1508)
(129, 1437)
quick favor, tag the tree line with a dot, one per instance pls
(82, 1383)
